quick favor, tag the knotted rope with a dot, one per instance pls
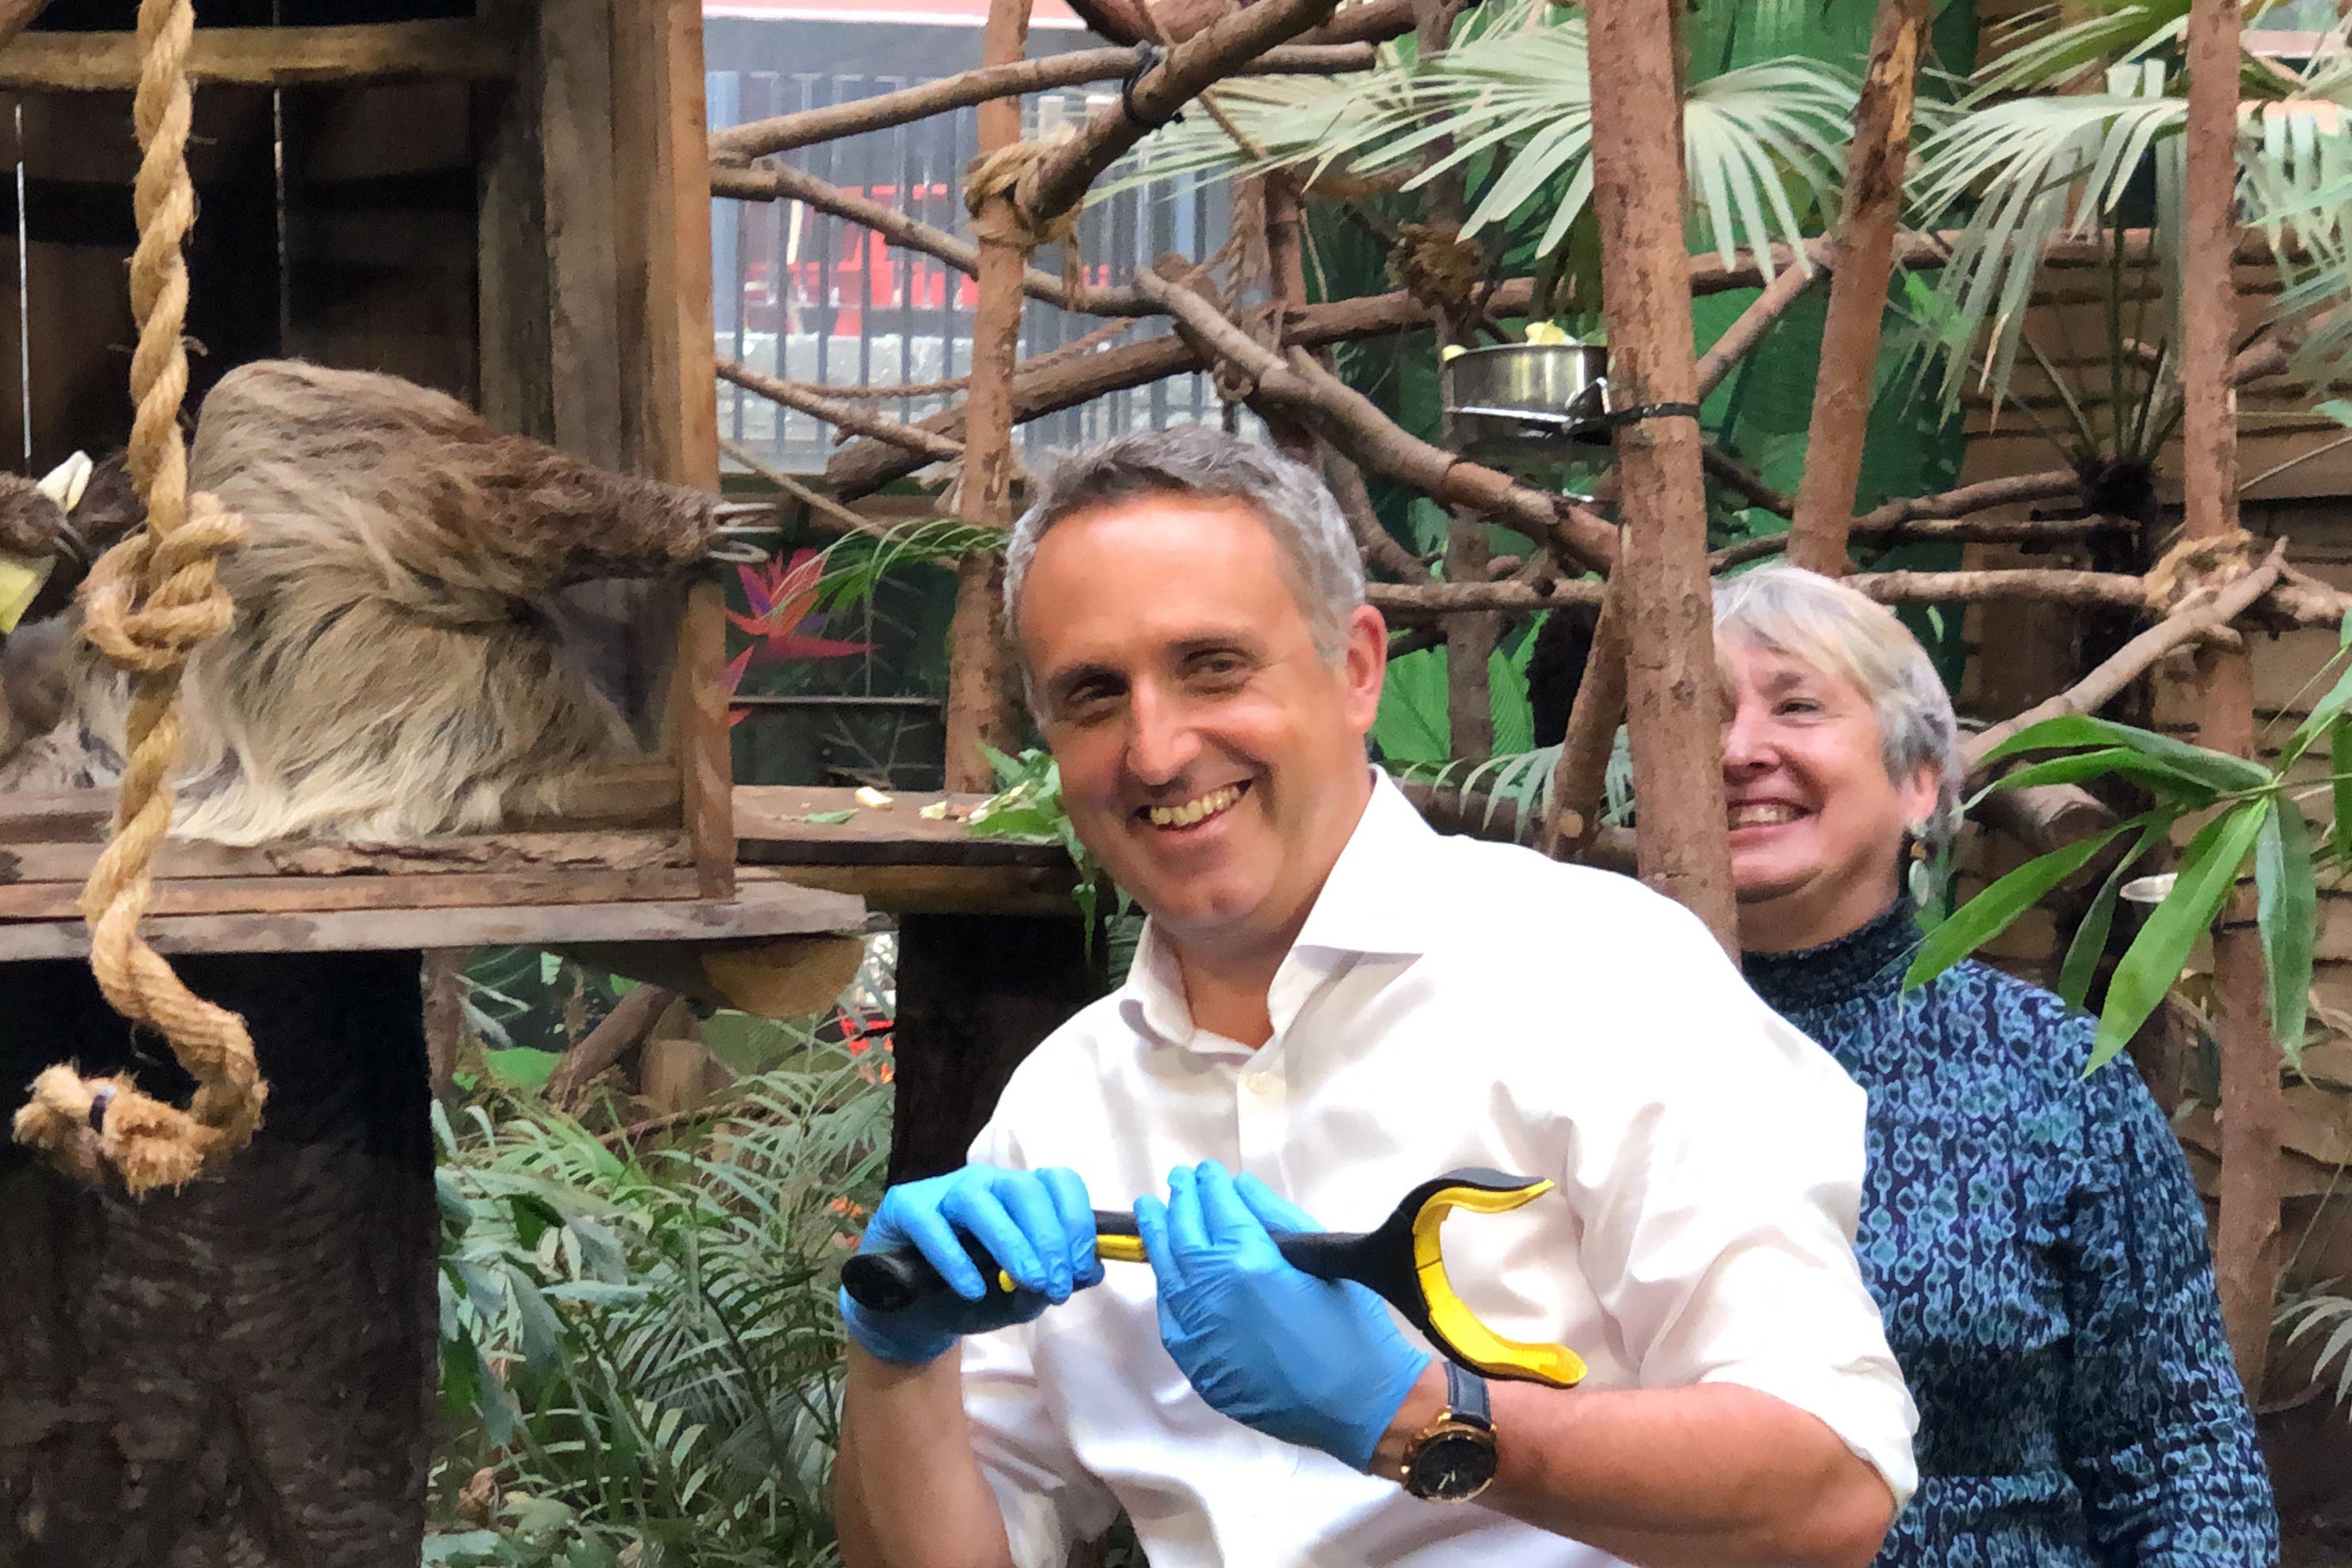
(148, 602)
(998, 174)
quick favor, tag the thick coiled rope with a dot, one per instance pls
(149, 601)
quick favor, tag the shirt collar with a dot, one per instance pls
(1378, 899)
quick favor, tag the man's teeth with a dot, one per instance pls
(1763, 814)
(1192, 811)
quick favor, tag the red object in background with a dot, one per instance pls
(782, 596)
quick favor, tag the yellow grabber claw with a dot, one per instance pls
(1402, 1262)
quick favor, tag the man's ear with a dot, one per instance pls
(1365, 663)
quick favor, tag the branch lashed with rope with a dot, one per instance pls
(147, 604)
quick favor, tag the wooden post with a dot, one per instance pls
(669, 388)
(1671, 680)
(976, 993)
(2246, 1237)
(1865, 259)
(979, 689)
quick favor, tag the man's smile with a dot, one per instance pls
(1197, 810)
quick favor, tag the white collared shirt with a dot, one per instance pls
(1448, 1002)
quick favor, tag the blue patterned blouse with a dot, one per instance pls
(2039, 1254)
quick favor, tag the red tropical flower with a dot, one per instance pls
(783, 597)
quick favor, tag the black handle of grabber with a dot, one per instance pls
(893, 1279)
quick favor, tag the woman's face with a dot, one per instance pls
(1816, 826)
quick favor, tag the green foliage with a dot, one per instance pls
(642, 1350)
(1761, 143)
(1027, 808)
(2250, 813)
(2320, 1313)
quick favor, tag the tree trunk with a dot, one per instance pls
(980, 704)
(1866, 259)
(2246, 1242)
(1671, 680)
(976, 994)
(240, 1374)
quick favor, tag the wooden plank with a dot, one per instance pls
(772, 828)
(669, 396)
(575, 106)
(510, 852)
(626, 794)
(936, 890)
(304, 895)
(774, 909)
(456, 49)
(518, 392)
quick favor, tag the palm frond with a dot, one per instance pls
(1762, 142)
(2027, 173)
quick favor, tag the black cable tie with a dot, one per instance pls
(1618, 418)
(1147, 56)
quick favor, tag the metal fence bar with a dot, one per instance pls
(808, 297)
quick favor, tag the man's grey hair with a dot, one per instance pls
(1201, 461)
(1826, 625)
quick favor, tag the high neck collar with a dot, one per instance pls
(1863, 962)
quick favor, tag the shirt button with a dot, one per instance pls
(1257, 1082)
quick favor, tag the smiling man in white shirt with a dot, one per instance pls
(1329, 1005)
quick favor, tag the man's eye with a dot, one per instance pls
(1218, 666)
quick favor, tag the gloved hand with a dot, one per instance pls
(1309, 1360)
(1037, 1224)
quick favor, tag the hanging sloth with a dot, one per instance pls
(397, 667)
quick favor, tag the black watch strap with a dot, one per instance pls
(1465, 1397)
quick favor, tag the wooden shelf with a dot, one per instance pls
(897, 860)
(759, 909)
(456, 49)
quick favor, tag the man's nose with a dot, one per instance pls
(1163, 741)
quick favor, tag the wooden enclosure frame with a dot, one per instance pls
(595, 335)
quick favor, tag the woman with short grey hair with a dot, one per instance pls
(2031, 1233)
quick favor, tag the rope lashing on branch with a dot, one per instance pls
(996, 174)
(149, 601)
(2199, 566)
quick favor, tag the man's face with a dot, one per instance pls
(1209, 757)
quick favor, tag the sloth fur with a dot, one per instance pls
(395, 669)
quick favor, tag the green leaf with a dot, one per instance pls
(2289, 918)
(523, 1066)
(1992, 911)
(1411, 725)
(2154, 961)
(826, 819)
(2090, 942)
(2215, 769)
(2119, 760)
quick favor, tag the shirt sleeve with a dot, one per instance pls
(1050, 1502)
(2155, 1425)
(1718, 1171)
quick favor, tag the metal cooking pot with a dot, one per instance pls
(1525, 401)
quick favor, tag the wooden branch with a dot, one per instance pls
(1059, 179)
(618, 1032)
(1743, 481)
(2135, 658)
(458, 49)
(823, 511)
(1849, 362)
(1380, 547)
(781, 133)
(15, 15)
(773, 182)
(1637, 196)
(1945, 530)
(837, 410)
(1579, 779)
(2048, 484)
(1787, 286)
(979, 711)
(1354, 424)
(1411, 602)
(2245, 1260)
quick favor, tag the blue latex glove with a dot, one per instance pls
(1304, 1360)
(1037, 1224)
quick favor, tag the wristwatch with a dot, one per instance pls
(1453, 1461)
